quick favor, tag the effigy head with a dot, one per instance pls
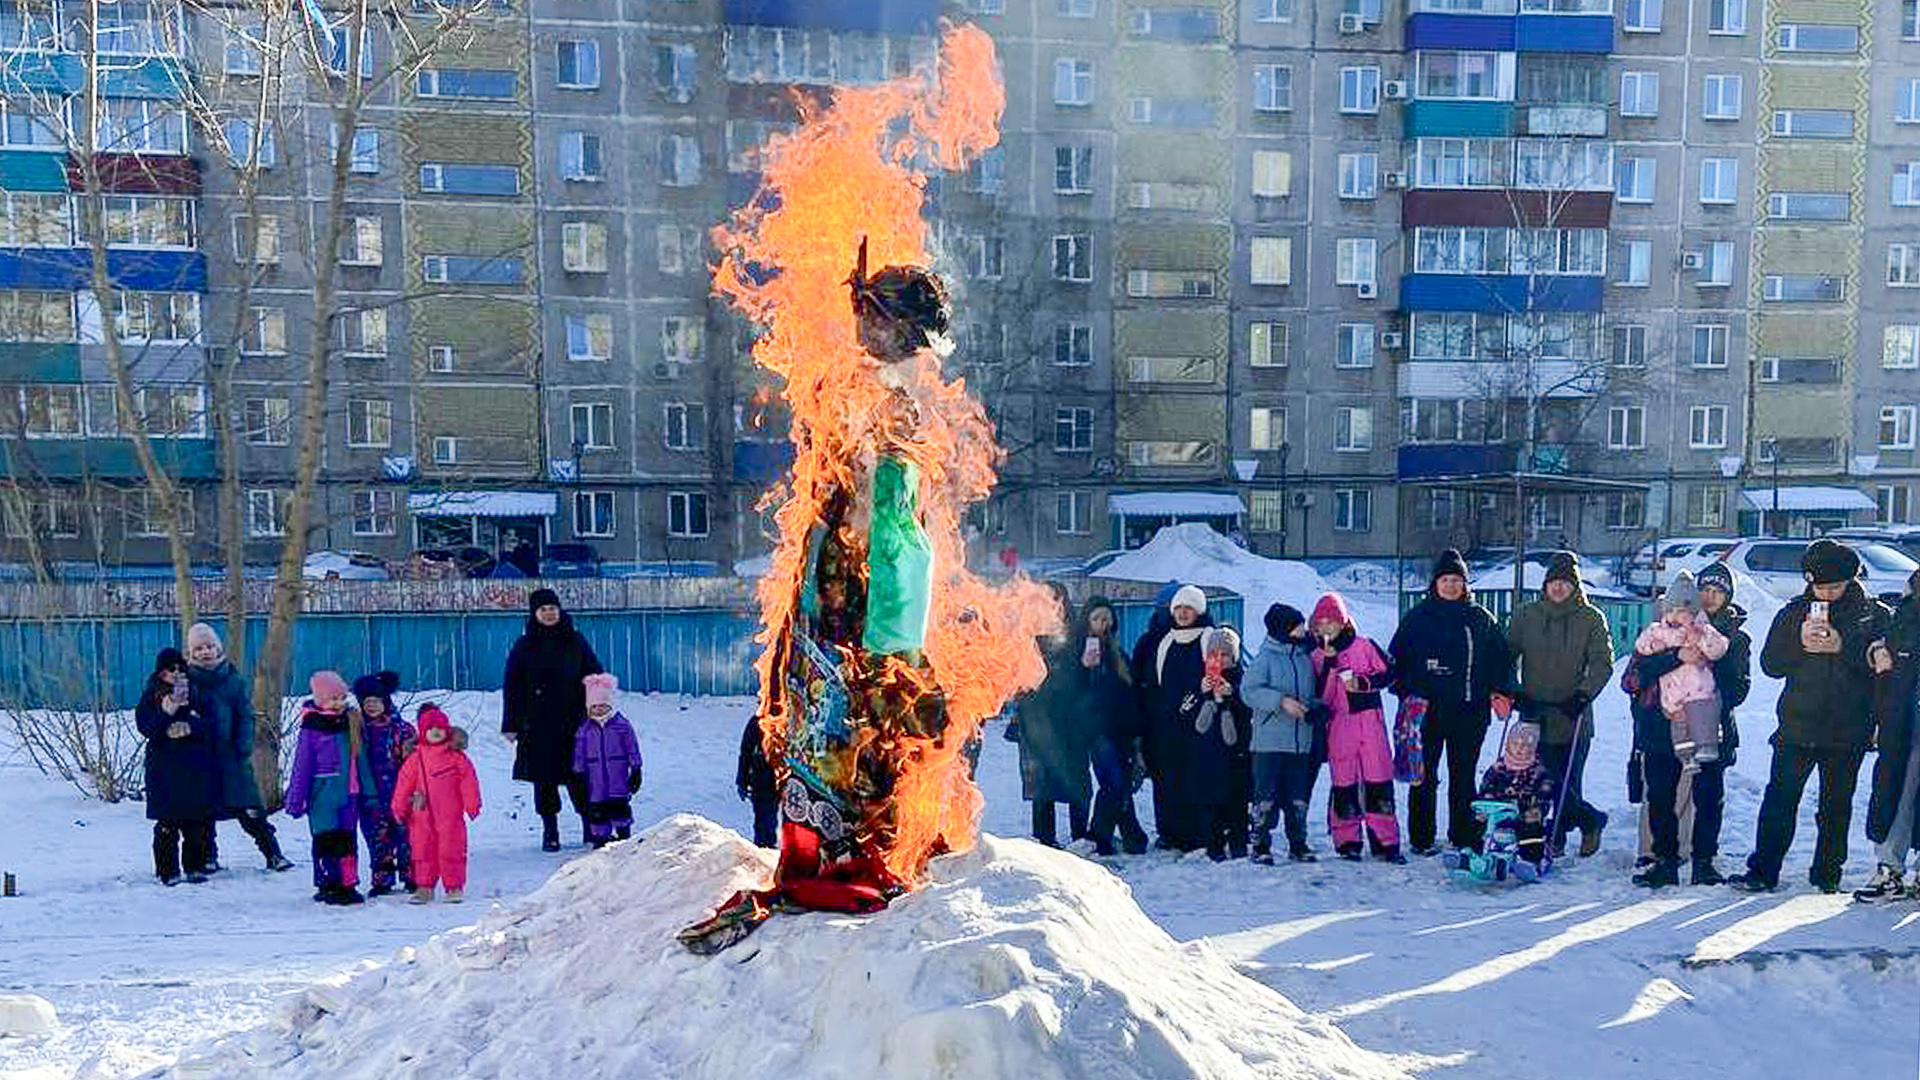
(901, 310)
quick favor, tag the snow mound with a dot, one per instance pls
(1016, 961)
(1195, 554)
(25, 1016)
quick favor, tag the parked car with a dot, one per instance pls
(1775, 564)
(1904, 537)
(1652, 567)
(344, 566)
(570, 561)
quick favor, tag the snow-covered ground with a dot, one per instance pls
(1581, 976)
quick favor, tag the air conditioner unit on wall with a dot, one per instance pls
(1394, 89)
(1396, 180)
(1692, 260)
(1366, 290)
(1352, 24)
(1392, 339)
(1302, 500)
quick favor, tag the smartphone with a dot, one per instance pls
(1216, 666)
(1817, 611)
(1090, 652)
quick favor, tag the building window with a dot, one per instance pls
(686, 514)
(593, 514)
(1813, 123)
(1353, 428)
(580, 157)
(266, 333)
(1910, 20)
(267, 421)
(583, 247)
(157, 317)
(1073, 430)
(1352, 510)
(579, 63)
(1906, 184)
(686, 426)
(263, 247)
(1073, 513)
(1433, 420)
(1360, 90)
(369, 423)
(1354, 261)
(138, 126)
(1903, 265)
(362, 333)
(1636, 263)
(1463, 76)
(1272, 11)
(1072, 82)
(1894, 504)
(364, 157)
(1359, 176)
(1272, 260)
(375, 513)
(1900, 348)
(1626, 510)
(1818, 37)
(1073, 345)
(1719, 181)
(1639, 93)
(589, 336)
(1809, 206)
(246, 146)
(680, 339)
(1272, 88)
(131, 221)
(679, 157)
(1467, 163)
(362, 242)
(1896, 427)
(1267, 344)
(1710, 346)
(442, 358)
(593, 425)
(446, 450)
(52, 412)
(447, 178)
(1073, 258)
(1727, 16)
(1265, 512)
(673, 247)
(266, 513)
(986, 257)
(1073, 9)
(1266, 428)
(37, 316)
(1073, 170)
(1707, 507)
(147, 519)
(675, 68)
(1716, 264)
(1803, 288)
(1627, 427)
(1720, 97)
(1707, 427)
(466, 83)
(987, 174)
(1636, 180)
(1355, 348)
(1906, 102)
(1630, 346)
(1272, 174)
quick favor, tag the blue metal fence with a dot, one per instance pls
(84, 663)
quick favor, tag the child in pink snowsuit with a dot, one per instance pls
(1350, 670)
(435, 794)
(1688, 694)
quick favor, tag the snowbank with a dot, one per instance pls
(1016, 962)
(1195, 554)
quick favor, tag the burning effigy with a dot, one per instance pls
(882, 654)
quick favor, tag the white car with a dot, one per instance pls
(345, 566)
(1653, 566)
(1775, 564)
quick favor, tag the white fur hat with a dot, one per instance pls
(1189, 596)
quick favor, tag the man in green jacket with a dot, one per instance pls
(1566, 657)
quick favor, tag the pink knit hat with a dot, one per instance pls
(600, 689)
(327, 686)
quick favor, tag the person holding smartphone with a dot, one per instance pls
(1829, 646)
(183, 790)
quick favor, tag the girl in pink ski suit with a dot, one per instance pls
(1351, 670)
(435, 794)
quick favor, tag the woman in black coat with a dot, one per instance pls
(544, 702)
(1892, 811)
(183, 781)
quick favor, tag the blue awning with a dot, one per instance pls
(1175, 504)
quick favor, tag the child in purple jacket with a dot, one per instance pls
(389, 739)
(330, 778)
(606, 755)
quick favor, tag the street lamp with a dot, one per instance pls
(1285, 449)
(1771, 447)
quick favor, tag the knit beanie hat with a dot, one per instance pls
(327, 686)
(169, 659)
(430, 717)
(1716, 575)
(1522, 746)
(380, 684)
(1830, 563)
(1450, 562)
(600, 689)
(1332, 606)
(1281, 621)
(1190, 596)
(1682, 595)
(1222, 640)
(1564, 566)
(202, 634)
(541, 598)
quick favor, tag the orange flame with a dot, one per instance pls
(853, 169)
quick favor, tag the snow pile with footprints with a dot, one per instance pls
(1015, 961)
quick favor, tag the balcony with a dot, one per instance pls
(893, 17)
(1504, 209)
(1563, 120)
(1590, 34)
(1503, 294)
(1482, 379)
(106, 459)
(71, 269)
(1459, 119)
(1486, 32)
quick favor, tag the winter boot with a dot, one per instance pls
(1262, 858)
(1828, 885)
(1302, 854)
(549, 832)
(1752, 882)
(1352, 852)
(345, 896)
(195, 877)
(1391, 853)
(1885, 885)
(270, 847)
(1658, 876)
(380, 888)
(1705, 873)
(455, 896)
(1590, 837)
(623, 832)
(421, 896)
(169, 880)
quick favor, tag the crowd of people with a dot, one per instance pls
(1233, 744)
(362, 772)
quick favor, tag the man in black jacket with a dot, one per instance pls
(1450, 653)
(1827, 645)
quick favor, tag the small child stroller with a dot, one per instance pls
(1502, 855)
(1517, 804)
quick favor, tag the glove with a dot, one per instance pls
(744, 793)
(1636, 780)
(633, 781)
